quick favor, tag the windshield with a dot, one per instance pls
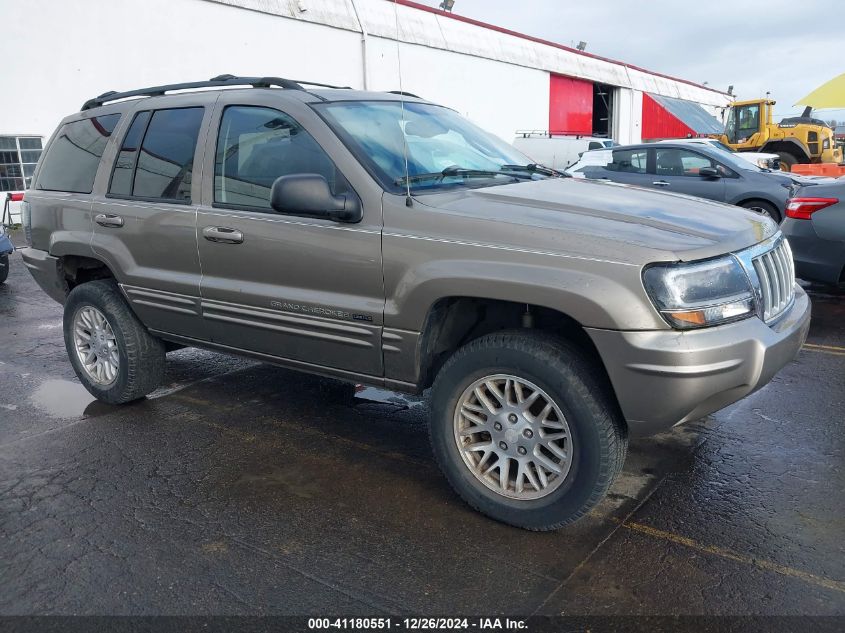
(444, 149)
(732, 159)
(722, 146)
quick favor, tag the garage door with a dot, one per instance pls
(570, 105)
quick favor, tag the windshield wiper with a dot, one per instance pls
(454, 170)
(534, 168)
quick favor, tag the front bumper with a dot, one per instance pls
(667, 377)
(45, 270)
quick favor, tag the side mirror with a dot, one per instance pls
(309, 194)
(709, 172)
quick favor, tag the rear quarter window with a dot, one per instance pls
(74, 155)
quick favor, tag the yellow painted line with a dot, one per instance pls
(825, 349)
(759, 563)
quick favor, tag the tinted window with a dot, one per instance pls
(74, 155)
(681, 162)
(257, 145)
(165, 162)
(124, 165)
(631, 161)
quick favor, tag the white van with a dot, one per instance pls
(557, 151)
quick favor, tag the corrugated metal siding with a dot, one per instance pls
(438, 31)
(690, 114)
(659, 123)
(570, 105)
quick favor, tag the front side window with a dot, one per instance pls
(748, 121)
(442, 148)
(74, 155)
(682, 162)
(257, 145)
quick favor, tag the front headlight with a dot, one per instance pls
(764, 163)
(700, 294)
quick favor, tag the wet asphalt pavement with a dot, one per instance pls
(242, 488)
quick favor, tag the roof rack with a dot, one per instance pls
(214, 82)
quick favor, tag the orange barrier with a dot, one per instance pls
(833, 170)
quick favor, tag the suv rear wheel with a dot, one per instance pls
(525, 429)
(4, 268)
(113, 354)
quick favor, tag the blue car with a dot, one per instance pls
(6, 249)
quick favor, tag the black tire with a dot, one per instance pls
(787, 160)
(578, 387)
(761, 206)
(4, 268)
(141, 355)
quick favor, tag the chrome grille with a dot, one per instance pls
(776, 274)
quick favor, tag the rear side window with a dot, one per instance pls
(632, 161)
(255, 146)
(124, 166)
(156, 159)
(74, 155)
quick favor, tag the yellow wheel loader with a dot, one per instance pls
(803, 139)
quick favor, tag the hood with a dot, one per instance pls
(598, 219)
(754, 156)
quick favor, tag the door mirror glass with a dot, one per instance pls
(310, 194)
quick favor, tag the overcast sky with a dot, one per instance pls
(785, 47)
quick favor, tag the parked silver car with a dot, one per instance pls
(388, 241)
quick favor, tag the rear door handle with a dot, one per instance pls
(660, 183)
(222, 235)
(107, 219)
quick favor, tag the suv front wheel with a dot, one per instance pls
(113, 354)
(525, 429)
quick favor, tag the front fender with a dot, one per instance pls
(608, 295)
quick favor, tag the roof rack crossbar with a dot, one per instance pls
(214, 82)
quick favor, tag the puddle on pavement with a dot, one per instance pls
(66, 399)
(364, 395)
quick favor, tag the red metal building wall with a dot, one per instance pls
(659, 123)
(570, 105)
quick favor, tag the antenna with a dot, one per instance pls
(409, 201)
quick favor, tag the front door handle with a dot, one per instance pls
(108, 219)
(660, 183)
(222, 235)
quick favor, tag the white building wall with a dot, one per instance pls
(86, 47)
(493, 95)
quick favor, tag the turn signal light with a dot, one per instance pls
(803, 208)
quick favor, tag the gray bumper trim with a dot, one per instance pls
(667, 377)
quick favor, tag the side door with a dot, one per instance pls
(307, 292)
(678, 170)
(145, 211)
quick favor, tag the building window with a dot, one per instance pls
(18, 156)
